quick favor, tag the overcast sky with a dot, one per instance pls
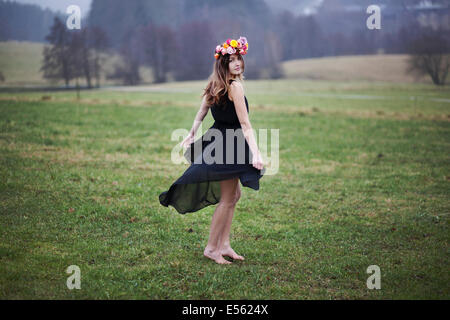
(60, 5)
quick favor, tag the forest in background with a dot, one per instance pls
(179, 36)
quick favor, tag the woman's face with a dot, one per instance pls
(235, 65)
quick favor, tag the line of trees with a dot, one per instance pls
(74, 54)
(185, 52)
(182, 54)
(166, 52)
(176, 38)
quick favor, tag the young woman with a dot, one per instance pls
(205, 183)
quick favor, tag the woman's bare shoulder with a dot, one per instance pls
(237, 84)
(236, 88)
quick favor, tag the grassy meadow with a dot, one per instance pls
(363, 180)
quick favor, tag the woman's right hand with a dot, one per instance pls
(188, 140)
(258, 161)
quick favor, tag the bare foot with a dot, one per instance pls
(216, 256)
(229, 252)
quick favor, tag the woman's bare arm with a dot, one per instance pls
(201, 114)
(237, 93)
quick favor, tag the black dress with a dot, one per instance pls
(199, 186)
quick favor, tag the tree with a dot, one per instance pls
(97, 41)
(159, 50)
(79, 58)
(194, 62)
(430, 55)
(56, 62)
(285, 29)
(131, 52)
(74, 53)
(273, 54)
(306, 39)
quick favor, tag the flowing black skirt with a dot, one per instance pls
(222, 153)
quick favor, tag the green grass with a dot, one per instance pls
(362, 181)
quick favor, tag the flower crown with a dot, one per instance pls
(232, 46)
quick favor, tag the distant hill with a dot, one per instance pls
(24, 22)
(383, 67)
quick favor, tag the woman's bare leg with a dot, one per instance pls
(226, 249)
(220, 219)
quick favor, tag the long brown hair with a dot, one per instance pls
(219, 81)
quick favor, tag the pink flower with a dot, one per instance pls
(218, 48)
(243, 40)
(224, 51)
(231, 50)
(228, 41)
